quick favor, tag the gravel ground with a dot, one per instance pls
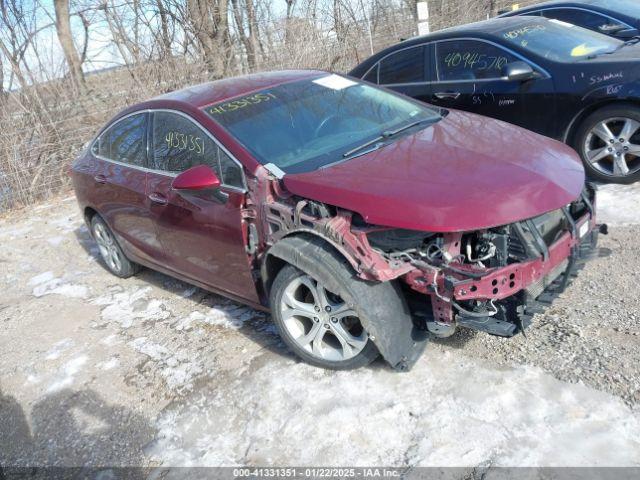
(95, 370)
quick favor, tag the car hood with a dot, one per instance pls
(466, 172)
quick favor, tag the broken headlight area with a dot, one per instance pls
(492, 280)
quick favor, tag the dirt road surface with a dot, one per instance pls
(148, 371)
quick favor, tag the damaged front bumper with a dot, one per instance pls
(502, 300)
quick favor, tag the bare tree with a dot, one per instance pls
(208, 20)
(245, 15)
(65, 36)
(165, 37)
(3, 93)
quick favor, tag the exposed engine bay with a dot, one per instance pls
(492, 280)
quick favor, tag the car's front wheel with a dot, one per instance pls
(317, 324)
(608, 141)
(111, 253)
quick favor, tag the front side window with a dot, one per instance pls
(558, 41)
(179, 144)
(304, 125)
(125, 141)
(404, 66)
(470, 60)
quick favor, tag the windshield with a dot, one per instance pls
(304, 125)
(559, 41)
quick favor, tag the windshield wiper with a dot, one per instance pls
(386, 135)
(627, 43)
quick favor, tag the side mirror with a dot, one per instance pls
(518, 71)
(196, 179)
(199, 179)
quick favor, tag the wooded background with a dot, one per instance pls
(67, 66)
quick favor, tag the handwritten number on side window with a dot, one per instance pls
(475, 61)
(182, 141)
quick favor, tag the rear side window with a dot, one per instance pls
(372, 76)
(404, 66)
(179, 144)
(125, 141)
(582, 18)
(470, 60)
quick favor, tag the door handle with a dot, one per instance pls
(157, 198)
(443, 95)
(100, 179)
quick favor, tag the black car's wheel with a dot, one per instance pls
(111, 253)
(608, 141)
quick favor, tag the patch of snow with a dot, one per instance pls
(618, 205)
(177, 369)
(232, 316)
(110, 340)
(41, 278)
(188, 292)
(55, 241)
(125, 307)
(109, 364)
(67, 373)
(44, 206)
(15, 232)
(58, 287)
(66, 224)
(448, 411)
(58, 349)
(32, 379)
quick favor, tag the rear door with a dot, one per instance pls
(468, 76)
(406, 71)
(119, 183)
(202, 235)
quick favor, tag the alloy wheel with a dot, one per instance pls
(320, 322)
(108, 248)
(613, 147)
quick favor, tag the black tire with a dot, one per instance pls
(584, 141)
(331, 270)
(113, 258)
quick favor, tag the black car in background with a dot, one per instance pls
(554, 78)
(617, 18)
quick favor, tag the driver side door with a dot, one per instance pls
(469, 76)
(201, 234)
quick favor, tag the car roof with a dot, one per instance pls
(199, 96)
(483, 29)
(591, 4)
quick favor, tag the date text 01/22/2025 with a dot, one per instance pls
(322, 472)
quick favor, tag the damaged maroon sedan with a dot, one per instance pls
(360, 218)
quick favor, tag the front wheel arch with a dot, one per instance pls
(381, 306)
(612, 111)
(282, 253)
(576, 122)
